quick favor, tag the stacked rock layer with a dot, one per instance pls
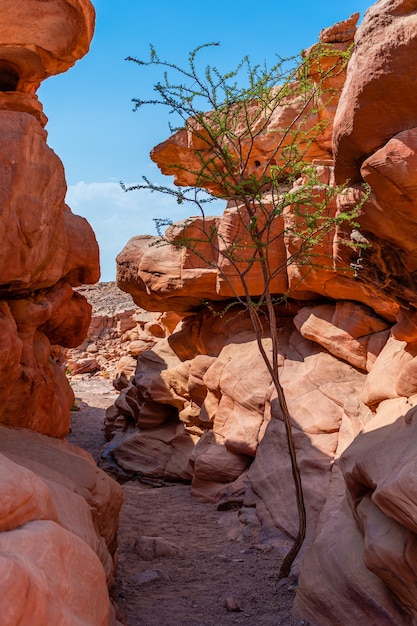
(59, 513)
(201, 407)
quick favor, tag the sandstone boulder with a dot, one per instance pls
(38, 585)
(346, 330)
(41, 39)
(184, 279)
(59, 517)
(38, 247)
(368, 536)
(357, 595)
(219, 414)
(379, 92)
(390, 172)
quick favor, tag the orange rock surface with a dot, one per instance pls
(180, 155)
(380, 89)
(183, 279)
(40, 39)
(59, 517)
(366, 541)
(348, 350)
(170, 277)
(58, 512)
(203, 401)
(46, 249)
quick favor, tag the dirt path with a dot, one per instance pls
(178, 563)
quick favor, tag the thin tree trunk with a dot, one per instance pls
(273, 370)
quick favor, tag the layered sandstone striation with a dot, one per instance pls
(58, 511)
(201, 407)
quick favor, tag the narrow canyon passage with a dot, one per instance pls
(195, 568)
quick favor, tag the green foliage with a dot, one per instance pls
(229, 117)
(228, 114)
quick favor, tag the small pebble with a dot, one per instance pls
(147, 577)
(232, 604)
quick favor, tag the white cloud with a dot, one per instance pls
(116, 216)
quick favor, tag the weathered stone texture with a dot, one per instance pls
(59, 518)
(348, 346)
(58, 512)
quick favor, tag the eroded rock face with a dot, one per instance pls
(58, 512)
(46, 249)
(169, 277)
(162, 276)
(380, 90)
(366, 542)
(59, 518)
(183, 279)
(366, 534)
(200, 406)
(179, 155)
(42, 261)
(40, 397)
(39, 39)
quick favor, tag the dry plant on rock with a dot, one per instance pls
(253, 134)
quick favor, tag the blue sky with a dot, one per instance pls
(92, 126)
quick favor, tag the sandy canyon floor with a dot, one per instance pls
(203, 569)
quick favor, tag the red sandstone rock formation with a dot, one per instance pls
(379, 97)
(200, 405)
(178, 155)
(40, 39)
(59, 518)
(164, 277)
(46, 250)
(58, 512)
(167, 278)
(365, 538)
(118, 333)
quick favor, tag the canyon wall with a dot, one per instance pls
(201, 407)
(118, 333)
(59, 513)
